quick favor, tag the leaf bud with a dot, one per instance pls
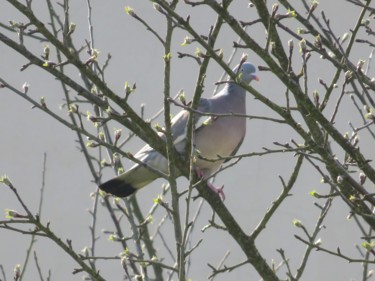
(362, 178)
(302, 46)
(25, 87)
(130, 11)
(297, 223)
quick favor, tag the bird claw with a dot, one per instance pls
(217, 190)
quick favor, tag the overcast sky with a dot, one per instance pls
(250, 187)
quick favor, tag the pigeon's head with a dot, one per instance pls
(246, 72)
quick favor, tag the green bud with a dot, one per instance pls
(314, 4)
(101, 136)
(345, 37)
(91, 144)
(43, 102)
(318, 242)
(94, 90)
(128, 89)
(11, 214)
(72, 28)
(103, 163)
(198, 53)
(94, 54)
(356, 140)
(154, 258)
(148, 220)
(187, 41)
(301, 30)
(46, 52)
(157, 7)
(138, 277)
(85, 251)
(15, 24)
(158, 128)
(360, 65)
(124, 260)
(348, 76)
(5, 180)
(243, 58)
(158, 200)
(291, 13)
(297, 223)
(126, 253)
(196, 154)
(302, 46)
(221, 54)
(102, 193)
(365, 22)
(208, 121)
(313, 193)
(73, 108)
(49, 64)
(369, 116)
(367, 245)
(275, 7)
(88, 115)
(17, 272)
(120, 170)
(291, 44)
(318, 42)
(114, 238)
(130, 11)
(181, 97)
(167, 57)
(25, 87)
(116, 201)
(117, 134)
(316, 97)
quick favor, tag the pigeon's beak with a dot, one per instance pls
(254, 77)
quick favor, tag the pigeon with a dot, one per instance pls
(215, 138)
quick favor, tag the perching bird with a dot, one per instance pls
(217, 136)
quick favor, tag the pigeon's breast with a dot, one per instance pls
(218, 138)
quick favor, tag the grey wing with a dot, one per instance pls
(140, 175)
(178, 128)
(179, 122)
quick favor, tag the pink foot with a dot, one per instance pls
(215, 189)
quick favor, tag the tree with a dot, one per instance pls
(321, 86)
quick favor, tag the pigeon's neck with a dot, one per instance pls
(234, 98)
(235, 89)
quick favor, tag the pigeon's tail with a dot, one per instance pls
(129, 182)
(118, 187)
